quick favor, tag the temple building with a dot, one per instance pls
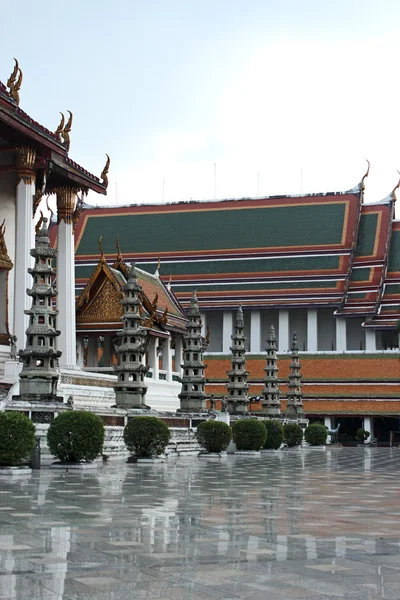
(326, 266)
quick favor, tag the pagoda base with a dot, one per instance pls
(128, 401)
(192, 405)
(38, 398)
(271, 411)
(238, 409)
(294, 411)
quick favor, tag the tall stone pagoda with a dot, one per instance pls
(192, 396)
(237, 386)
(130, 388)
(294, 406)
(271, 405)
(40, 372)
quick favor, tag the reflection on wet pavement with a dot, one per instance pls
(293, 524)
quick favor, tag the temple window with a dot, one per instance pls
(132, 357)
(122, 376)
(124, 357)
(52, 363)
(41, 319)
(133, 340)
(195, 388)
(30, 340)
(39, 363)
(187, 356)
(51, 341)
(195, 372)
(195, 357)
(40, 341)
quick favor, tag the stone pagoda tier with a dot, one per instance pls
(294, 406)
(130, 388)
(271, 405)
(192, 396)
(238, 400)
(40, 372)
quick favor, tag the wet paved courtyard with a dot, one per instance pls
(295, 524)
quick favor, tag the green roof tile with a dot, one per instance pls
(367, 234)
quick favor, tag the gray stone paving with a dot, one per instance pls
(296, 524)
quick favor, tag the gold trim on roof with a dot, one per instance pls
(5, 260)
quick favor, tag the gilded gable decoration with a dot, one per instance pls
(5, 260)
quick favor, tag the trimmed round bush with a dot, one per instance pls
(76, 436)
(316, 434)
(249, 434)
(17, 438)
(214, 436)
(292, 434)
(274, 435)
(362, 434)
(146, 436)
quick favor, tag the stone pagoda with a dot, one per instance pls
(192, 396)
(271, 405)
(294, 406)
(130, 388)
(238, 400)
(40, 372)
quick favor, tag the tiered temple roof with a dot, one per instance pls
(322, 250)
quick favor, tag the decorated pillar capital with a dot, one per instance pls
(66, 204)
(26, 157)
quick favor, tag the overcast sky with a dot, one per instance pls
(283, 96)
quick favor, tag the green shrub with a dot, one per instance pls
(292, 434)
(316, 434)
(76, 436)
(274, 435)
(249, 434)
(146, 436)
(214, 436)
(362, 435)
(17, 438)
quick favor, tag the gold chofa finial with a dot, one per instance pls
(396, 187)
(59, 129)
(67, 130)
(365, 176)
(119, 255)
(50, 211)
(104, 172)
(14, 82)
(101, 248)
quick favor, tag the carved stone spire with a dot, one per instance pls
(40, 372)
(130, 388)
(237, 386)
(270, 403)
(192, 396)
(294, 406)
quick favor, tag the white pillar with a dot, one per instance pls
(312, 330)
(369, 426)
(203, 317)
(153, 357)
(167, 358)
(283, 339)
(66, 295)
(341, 335)
(370, 340)
(79, 350)
(255, 331)
(227, 329)
(178, 355)
(328, 424)
(24, 241)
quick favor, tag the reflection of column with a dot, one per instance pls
(255, 331)
(341, 335)
(312, 330)
(227, 328)
(24, 239)
(60, 546)
(66, 277)
(283, 331)
(167, 358)
(178, 354)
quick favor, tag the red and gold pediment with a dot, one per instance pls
(100, 301)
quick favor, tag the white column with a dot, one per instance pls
(79, 350)
(203, 316)
(370, 340)
(227, 329)
(283, 340)
(153, 357)
(255, 331)
(312, 330)
(167, 358)
(369, 426)
(66, 295)
(341, 335)
(24, 242)
(178, 355)
(328, 424)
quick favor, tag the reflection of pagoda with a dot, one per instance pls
(270, 401)
(237, 386)
(192, 396)
(40, 372)
(294, 406)
(130, 389)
